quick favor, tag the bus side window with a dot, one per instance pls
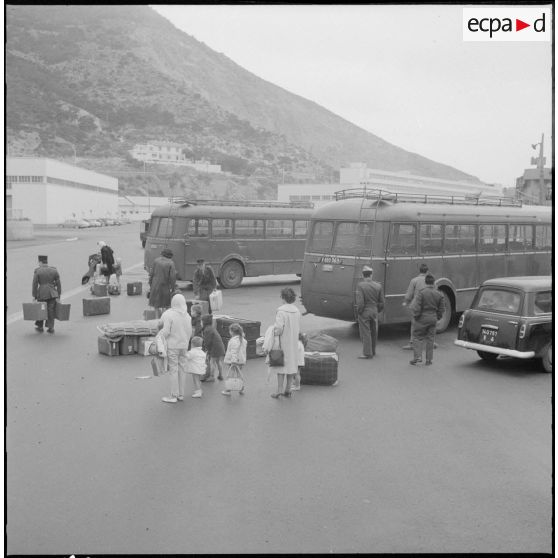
(300, 229)
(278, 228)
(543, 237)
(492, 238)
(249, 228)
(431, 239)
(198, 227)
(403, 240)
(460, 239)
(221, 228)
(520, 238)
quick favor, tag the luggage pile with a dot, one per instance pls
(251, 332)
(321, 361)
(127, 338)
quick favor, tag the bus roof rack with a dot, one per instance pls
(241, 203)
(395, 197)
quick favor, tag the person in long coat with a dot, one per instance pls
(204, 282)
(46, 288)
(107, 259)
(162, 280)
(286, 330)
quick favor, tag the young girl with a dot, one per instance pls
(214, 347)
(196, 313)
(195, 364)
(236, 353)
(302, 340)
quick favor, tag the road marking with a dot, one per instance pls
(69, 294)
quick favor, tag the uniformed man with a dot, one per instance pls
(427, 307)
(203, 281)
(47, 288)
(369, 303)
(417, 283)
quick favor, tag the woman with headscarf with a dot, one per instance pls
(107, 259)
(177, 330)
(162, 280)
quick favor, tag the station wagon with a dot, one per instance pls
(510, 316)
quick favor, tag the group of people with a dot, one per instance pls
(193, 346)
(422, 298)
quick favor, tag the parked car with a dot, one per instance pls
(74, 224)
(106, 221)
(510, 316)
(93, 223)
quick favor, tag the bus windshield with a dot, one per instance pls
(342, 238)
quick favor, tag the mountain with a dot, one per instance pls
(99, 79)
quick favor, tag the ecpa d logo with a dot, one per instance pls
(507, 23)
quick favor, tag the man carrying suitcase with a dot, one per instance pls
(46, 288)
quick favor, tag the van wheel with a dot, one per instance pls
(443, 323)
(231, 275)
(487, 356)
(547, 358)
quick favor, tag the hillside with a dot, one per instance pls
(99, 79)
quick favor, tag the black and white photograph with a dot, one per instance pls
(278, 279)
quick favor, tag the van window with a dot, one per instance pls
(221, 228)
(521, 238)
(322, 235)
(153, 225)
(165, 227)
(430, 239)
(499, 300)
(543, 302)
(301, 229)
(492, 238)
(249, 228)
(403, 239)
(460, 239)
(278, 228)
(198, 227)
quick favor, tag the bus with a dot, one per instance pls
(462, 240)
(238, 239)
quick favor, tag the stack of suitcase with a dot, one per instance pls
(251, 332)
(319, 368)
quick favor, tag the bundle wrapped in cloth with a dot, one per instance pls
(141, 328)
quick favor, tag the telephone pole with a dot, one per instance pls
(539, 161)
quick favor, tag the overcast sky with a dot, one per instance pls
(403, 73)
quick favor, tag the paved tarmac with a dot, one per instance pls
(452, 458)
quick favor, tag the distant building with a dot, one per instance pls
(357, 175)
(48, 192)
(535, 187)
(137, 208)
(169, 153)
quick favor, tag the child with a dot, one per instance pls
(195, 364)
(196, 313)
(214, 347)
(302, 340)
(236, 353)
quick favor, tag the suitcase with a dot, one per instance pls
(251, 328)
(114, 289)
(203, 303)
(128, 345)
(108, 346)
(319, 369)
(143, 345)
(35, 311)
(251, 351)
(62, 312)
(99, 289)
(151, 314)
(133, 288)
(96, 306)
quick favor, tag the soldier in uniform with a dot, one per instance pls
(427, 307)
(47, 288)
(204, 281)
(369, 303)
(417, 283)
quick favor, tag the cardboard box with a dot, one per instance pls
(96, 306)
(35, 311)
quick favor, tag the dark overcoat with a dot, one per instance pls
(162, 282)
(46, 283)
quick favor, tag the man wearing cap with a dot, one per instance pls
(369, 303)
(162, 280)
(417, 284)
(204, 281)
(46, 288)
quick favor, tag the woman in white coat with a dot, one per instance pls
(287, 328)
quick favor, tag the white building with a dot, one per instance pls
(169, 153)
(357, 175)
(48, 192)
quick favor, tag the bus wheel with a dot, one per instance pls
(547, 358)
(231, 275)
(443, 323)
(487, 356)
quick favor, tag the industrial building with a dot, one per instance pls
(48, 192)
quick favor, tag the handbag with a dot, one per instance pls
(277, 356)
(234, 381)
(158, 366)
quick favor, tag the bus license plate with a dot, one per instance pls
(488, 336)
(327, 267)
